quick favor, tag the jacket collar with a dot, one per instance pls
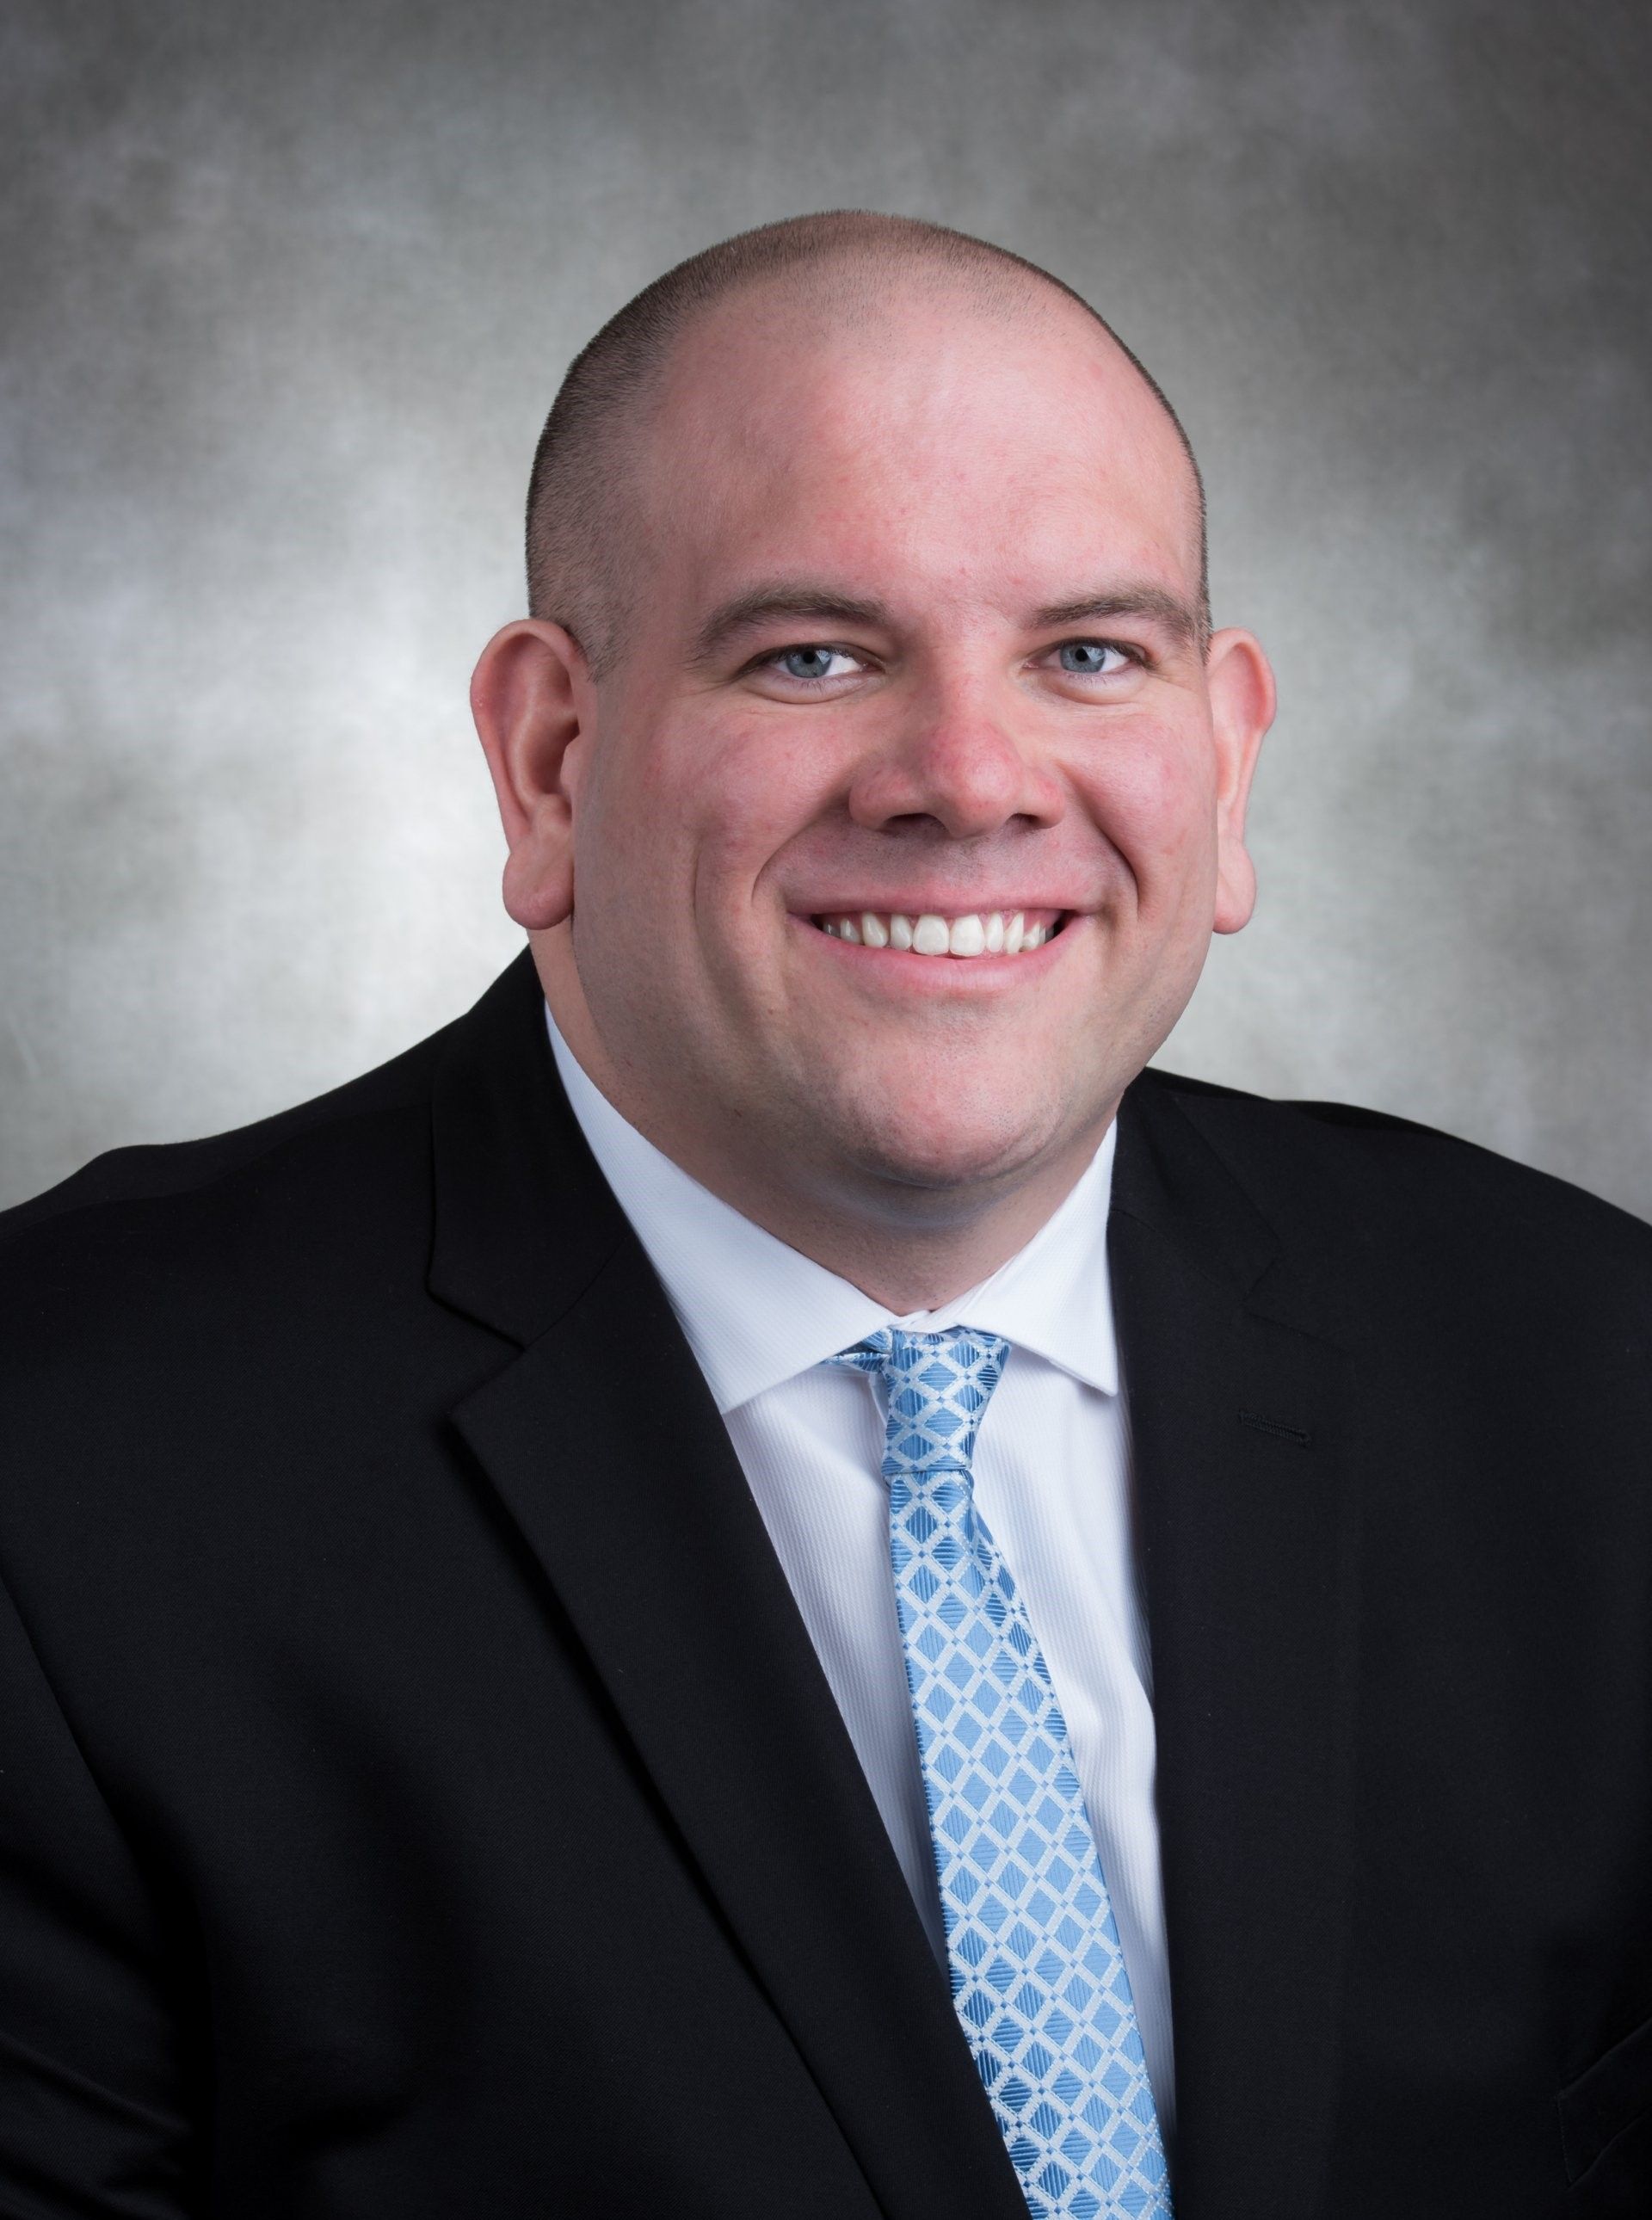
(523, 1220)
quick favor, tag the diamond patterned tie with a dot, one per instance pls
(1039, 1976)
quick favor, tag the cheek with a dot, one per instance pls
(765, 775)
(1152, 793)
(692, 816)
(745, 790)
(639, 809)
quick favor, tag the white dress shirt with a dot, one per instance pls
(1051, 1480)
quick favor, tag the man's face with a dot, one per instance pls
(914, 640)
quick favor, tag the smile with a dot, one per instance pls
(978, 932)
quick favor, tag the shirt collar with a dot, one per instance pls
(756, 1313)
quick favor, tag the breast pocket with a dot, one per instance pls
(1599, 2109)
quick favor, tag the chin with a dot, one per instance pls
(953, 1145)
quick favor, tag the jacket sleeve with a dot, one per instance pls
(95, 2082)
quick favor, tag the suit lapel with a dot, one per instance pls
(1239, 1422)
(604, 1441)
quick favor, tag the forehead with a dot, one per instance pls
(987, 449)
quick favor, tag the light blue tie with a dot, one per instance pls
(1039, 1977)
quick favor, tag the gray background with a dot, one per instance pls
(287, 293)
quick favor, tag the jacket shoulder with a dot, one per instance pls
(149, 1258)
(153, 1173)
(1383, 1179)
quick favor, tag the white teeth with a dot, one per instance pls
(977, 933)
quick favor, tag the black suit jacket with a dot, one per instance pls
(421, 1798)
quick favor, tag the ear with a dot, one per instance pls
(1242, 698)
(532, 701)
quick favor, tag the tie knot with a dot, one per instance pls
(939, 1384)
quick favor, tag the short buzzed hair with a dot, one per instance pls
(577, 576)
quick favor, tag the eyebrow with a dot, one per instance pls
(1152, 602)
(802, 602)
(805, 602)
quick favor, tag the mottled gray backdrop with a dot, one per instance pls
(287, 291)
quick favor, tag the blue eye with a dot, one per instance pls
(1088, 658)
(807, 663)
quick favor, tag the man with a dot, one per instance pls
(594, 1632)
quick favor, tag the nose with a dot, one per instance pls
(954, 764)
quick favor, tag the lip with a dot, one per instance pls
(949, 904)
